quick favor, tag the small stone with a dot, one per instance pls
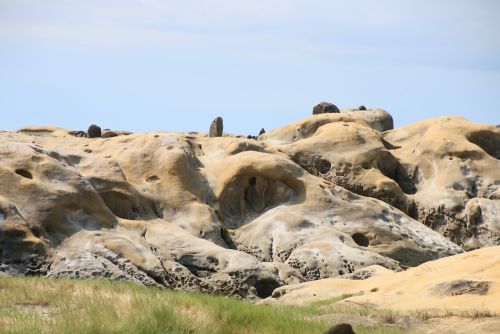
(94, 131)
(340, 329)
(262, 131)
(361, 107)
(325, 108)
(216, 128)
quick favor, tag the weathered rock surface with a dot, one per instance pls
(330, 195)
(216, 128)
(464, 282)
(94, 131)
(429, 170)
(324, 108)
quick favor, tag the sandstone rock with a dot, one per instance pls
(405, 166)
(324, 197)
(457, 284)
(216, 128)
(94, 131)
(378, 119)
(450, 162)
(325, 108)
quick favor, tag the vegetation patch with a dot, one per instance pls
(43, 305)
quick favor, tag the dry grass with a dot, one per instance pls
(467, 314)
(41, 305)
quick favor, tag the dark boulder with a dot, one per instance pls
(361, 107)
(262, 131)
(324, 108)
(216, 128)
(340, 329)
(94, 131)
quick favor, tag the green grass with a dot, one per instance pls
(42, 305)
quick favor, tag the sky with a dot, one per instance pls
(161, 65)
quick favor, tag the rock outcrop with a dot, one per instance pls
(331, 195)
(94, 131)
(216, 128)
(324, 108)
(468, 282)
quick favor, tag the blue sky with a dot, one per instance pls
(175, 65)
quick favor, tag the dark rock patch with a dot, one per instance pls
(216, 128)
(109, 134)
(94, 131)
(360, 239)
(325, 108)
(265, 287)
(24, 173)
(462, 287)
(340, 329)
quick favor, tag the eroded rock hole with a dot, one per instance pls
(122, 205)
(249, 195)
(24, 173)
(265, 287)
(199, 267)
(152, 179)
(224, 233)
(252, 181)
(390, 167)
(312, 163)
(360, 239)
(37, 232)
(323, 166)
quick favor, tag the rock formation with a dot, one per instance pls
(324, 108)
(216, 128)
(94, 131)
(332, 195)
(455, 284)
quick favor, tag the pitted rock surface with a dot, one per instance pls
(324, 197)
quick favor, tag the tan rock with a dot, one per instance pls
(464, 282)
(229, 214)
